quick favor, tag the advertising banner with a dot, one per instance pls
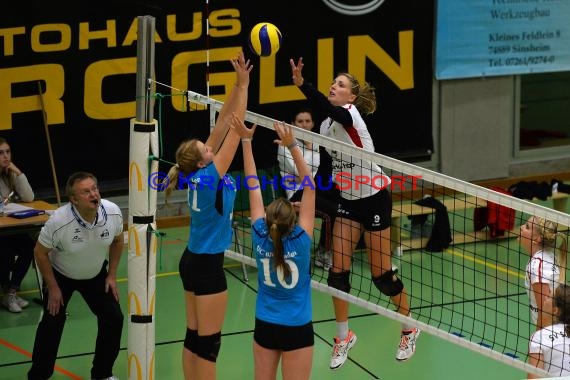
(82, 57)
(478, 38)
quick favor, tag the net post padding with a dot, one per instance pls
(142, 211)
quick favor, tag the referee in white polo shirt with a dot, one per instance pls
(73, 250)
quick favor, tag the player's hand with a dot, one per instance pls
(238, 126)
(242, 69)
(297, 71)
(55, 300)
(111, 284)
(285, 133)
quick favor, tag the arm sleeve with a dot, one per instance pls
(319, 101)
(23, 189)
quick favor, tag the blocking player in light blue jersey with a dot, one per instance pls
(203, 167)
(282, 247)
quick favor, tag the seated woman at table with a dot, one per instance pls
(17, 249)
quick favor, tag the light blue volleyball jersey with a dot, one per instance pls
(211, 203)
(283, 301)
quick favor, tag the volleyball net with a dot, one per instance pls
(455, 245)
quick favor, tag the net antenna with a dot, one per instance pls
(212, 111)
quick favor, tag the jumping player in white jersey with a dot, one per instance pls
(549, 347)
(211, 195)
(364, 209)
(283, 312)
(79, 249)
(538, 237)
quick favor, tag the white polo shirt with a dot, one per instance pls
(80, 248)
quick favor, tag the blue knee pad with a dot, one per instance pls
(191, 339)
(208, 346)
(388, 283)
(340, 281)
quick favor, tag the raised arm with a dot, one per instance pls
(316, 98)
(236, 105)
(236, 102)
(307, 210)
(543, 296)
(257, 210)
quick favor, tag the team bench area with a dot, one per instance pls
(461, 212)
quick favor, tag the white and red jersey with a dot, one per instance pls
(541, 268)
(355, 177)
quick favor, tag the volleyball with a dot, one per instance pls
(265, 39)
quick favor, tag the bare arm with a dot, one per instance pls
(236, 102)
(286, 162)
(536, 360)
(238, 130)
(307, 210)
(255, 198)
(235, 106)
(115, 252)
(542, 295)
(55, 299)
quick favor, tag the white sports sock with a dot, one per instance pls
(342, 330)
